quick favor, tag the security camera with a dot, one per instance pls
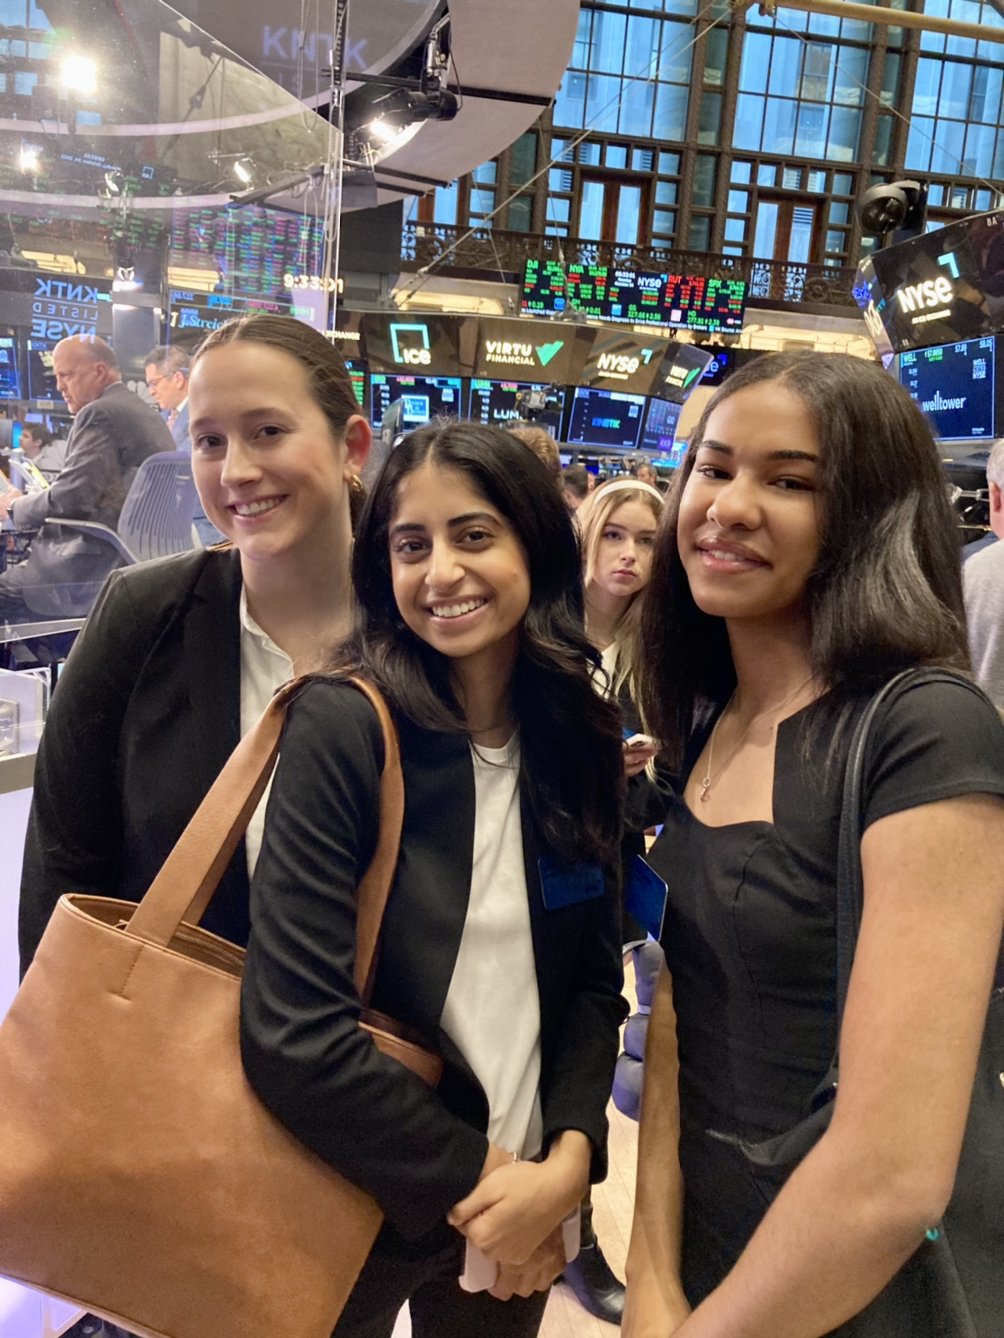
(899, 208)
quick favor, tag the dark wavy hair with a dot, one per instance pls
(570, 738)
(322, 363)
(886, 593)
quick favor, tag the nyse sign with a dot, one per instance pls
(63, 307)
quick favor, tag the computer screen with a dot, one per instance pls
(605, 418)
(660, 426)
(495, 402)
(424, 398)
(954, 386)
(41, 374)
(357, 371)
(10, 378)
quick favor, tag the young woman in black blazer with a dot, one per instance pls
(500, 943)
(157, 690)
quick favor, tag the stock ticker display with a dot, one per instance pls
(208, 311)
(251, 247)
(954, 386)
(679, 301)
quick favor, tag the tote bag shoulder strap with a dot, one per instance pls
(850, 879)
(191, 873)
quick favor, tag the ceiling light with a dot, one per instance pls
(244, 171)
(79, 74)
(29, 158)
(382, 130)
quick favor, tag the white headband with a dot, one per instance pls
(621, 485)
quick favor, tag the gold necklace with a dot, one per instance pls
(705, 794)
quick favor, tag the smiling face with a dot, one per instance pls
(622, 559)
(459, 574)
(749, 524)
(270, 471)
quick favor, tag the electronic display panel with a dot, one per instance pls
(623, 360)
(41, 373)
(660, 426)
(357, 373)
(943, 288)
(425, 398)
(954, 386)
(521, 350)
(494, 402)
(255, 250)
(411, 344)
(610, 418)
(681, 371)
(10, 378)
(680, 301)
(202, 312)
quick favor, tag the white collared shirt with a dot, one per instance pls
(264, 667)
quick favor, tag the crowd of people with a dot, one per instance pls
(568, 668)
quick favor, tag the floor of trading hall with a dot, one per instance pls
(612, 1207)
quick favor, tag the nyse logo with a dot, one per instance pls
(410, 345)
(618, 364)
(925, 295)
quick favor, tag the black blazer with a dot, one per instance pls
(145, 714)
(416, 1151)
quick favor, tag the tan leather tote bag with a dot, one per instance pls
(139, 1174)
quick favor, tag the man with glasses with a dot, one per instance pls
(166, 369)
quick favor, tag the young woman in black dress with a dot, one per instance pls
(809, 554)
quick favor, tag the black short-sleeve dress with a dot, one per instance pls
(749, 937)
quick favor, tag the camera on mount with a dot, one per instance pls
(534, 404)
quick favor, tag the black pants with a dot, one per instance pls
(439, 1307)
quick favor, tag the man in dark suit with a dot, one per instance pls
(166, 370)
(112, 433)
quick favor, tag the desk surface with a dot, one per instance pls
(17, 773)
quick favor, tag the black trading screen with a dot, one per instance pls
(496, 402)
(605, 418)
(954, 386)
(10, 380)
(425, 398)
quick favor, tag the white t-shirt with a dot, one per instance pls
(264, 667)
(492, 1009)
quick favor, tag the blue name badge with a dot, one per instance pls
(645, 896)
(567, 884)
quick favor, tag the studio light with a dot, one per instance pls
(29, 159)
(899, 208)
(244, 171)
(79, 74)
(382, 130)
(113, 183)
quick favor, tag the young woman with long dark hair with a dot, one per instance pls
(808, 555)
(500, 942)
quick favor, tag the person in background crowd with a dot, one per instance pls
(995, 489)
(796, 572)
(45, 451)
(617, 523)
(500, 944)
(113, 432)
(166, 368)
(543, 445)
(983, 586)
(576, 485)
(645, 472)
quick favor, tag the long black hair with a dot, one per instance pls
(570, 738)
(886, 592)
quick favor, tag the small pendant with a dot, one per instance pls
(705, 789)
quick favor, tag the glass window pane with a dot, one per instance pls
(675, 54)
(591, 212)
(890, 79)
(445, 206)
(979, 157)
(669, 163)
(935, 195)
(850, 75)
(735, 229)
(755, 63)
(845, 129)
(715, 53)
(602, 102)
(785, 67)
(791, 178)
(766, 230)
(642, 44)
(946, 156)
(800, 240)
(684, 7)
(521, 213)
(664, 221)
(840, 212)
(739, 201)
(487, 173)
(699, 234)
(482, 201)
(570, 104)
(609, 37)
(558, 210)
(766, 174)
(748, 130)
(817, 182)
(589, 152)
(956, 85)
(742, 172)
(836, 242)
(616, 155)
(710, 118)
(628, 215)
(811, 131)
(636, 110)
(779, 126)
(843, 183)
(667, 192)
(643, 160)
(670, 113)
(523, 160)
(705, 176)
(560, 179)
